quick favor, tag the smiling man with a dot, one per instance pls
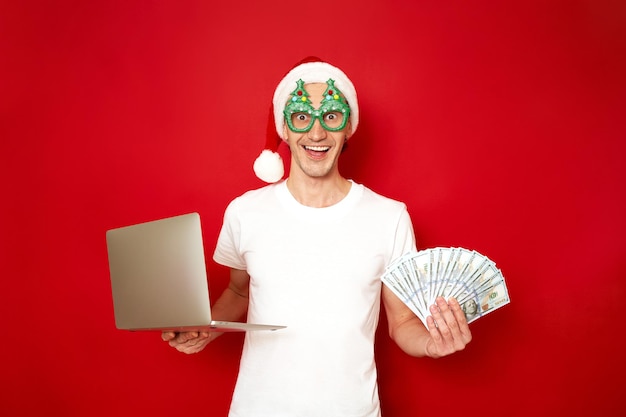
(308, 252)
(316, 137)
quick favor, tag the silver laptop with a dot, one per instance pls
(159, 280)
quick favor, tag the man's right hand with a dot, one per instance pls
(187, 342)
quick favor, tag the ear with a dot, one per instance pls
(348, 129)
(285, 131)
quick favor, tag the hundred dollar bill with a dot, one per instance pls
(411, 299)
(417, 284)
(493, 299)
(474, 283)
(443, 261)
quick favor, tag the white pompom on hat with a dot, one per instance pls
(269, 165)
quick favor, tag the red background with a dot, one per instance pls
(500, 124)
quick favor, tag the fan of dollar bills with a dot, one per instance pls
(417, 278)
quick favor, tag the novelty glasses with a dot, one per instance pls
(333, 113)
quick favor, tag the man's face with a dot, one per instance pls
(470, 307)
(316, 152)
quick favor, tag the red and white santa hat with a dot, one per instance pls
(268, 166)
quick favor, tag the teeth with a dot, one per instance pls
(317, 148)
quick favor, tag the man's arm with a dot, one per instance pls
(447, 331)
(233, 303)
(230, 306)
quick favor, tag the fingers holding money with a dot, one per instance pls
(448, 328)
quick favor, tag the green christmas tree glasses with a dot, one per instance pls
(333, 113)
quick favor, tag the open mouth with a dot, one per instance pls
(317, 148)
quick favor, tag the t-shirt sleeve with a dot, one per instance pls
(227, 251)
(404, 237)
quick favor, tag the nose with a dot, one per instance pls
(317, 132)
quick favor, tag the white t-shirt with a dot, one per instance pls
(317, 271)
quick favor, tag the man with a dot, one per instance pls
(308, 252)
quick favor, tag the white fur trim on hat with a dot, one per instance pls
(268, 166)
(314, 72)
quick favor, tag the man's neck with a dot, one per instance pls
(318, 192)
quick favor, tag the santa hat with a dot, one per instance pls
(269, 165)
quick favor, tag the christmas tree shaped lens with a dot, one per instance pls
(298, 111)
(334, 109)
